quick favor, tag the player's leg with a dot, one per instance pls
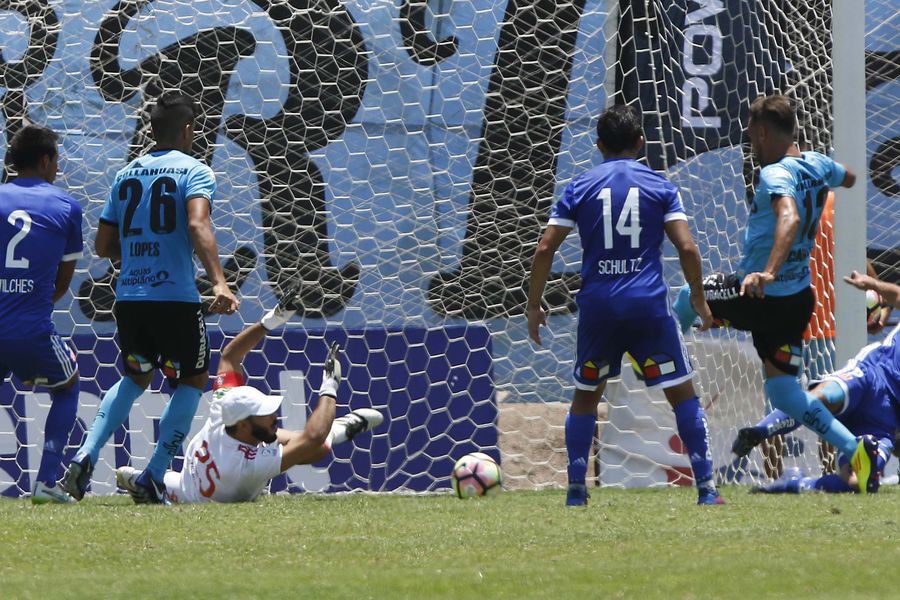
(48, 362)
(659, 354)
(598, 357)
(184, 353)
(137, 364)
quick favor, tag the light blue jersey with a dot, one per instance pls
(807, 180)
(148, 203)
(40, 227)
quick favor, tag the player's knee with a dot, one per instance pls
(832, 395)
(585, 402)
(198, 381)
(679, 393)
(142, 379)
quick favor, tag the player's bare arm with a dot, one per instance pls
(890, 293)
(540, 270)
(106, 241)
(308, 446)
(64, 274)
(204, 243)
(787, 222)
(679, 234)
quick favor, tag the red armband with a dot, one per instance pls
(228, 379)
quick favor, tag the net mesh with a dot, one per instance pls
(400, 159)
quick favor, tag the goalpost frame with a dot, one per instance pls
(849, 102)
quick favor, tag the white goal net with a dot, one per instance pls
(400, 158)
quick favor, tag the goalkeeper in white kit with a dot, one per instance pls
(240, 447)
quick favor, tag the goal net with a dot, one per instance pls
(400, 159)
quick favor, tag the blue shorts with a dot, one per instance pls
(868, 407)
(47, 361)
(655, 347)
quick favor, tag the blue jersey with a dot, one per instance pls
(806, 179)
(621, 208)
(40, 227)
(148, 203)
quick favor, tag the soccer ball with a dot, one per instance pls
(873, 303)
(476, 474)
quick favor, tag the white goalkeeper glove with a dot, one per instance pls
(331, 375)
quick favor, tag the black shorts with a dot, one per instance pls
(166, 335)
(777, 323)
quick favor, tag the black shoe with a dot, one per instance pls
(747, 439)
(78, 477)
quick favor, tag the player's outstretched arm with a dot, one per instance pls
(540, 270)
(890, 293)
(308, 446)
(234, 351)
(204, 243)
(679, 234)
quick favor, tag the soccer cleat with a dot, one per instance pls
(45, 494)
(709, 497)
(140, 486)
(577, 495)
(747, 439)
(349, 426)
(78, 477)
(864, 463)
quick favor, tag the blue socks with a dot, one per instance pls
(694, 432)
(174, 427)
(579, 436)
(684, 312)
(777, 422)
(832, 484)
(786, 394)
(113, 411)
(58, 426)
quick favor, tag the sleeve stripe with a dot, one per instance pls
(108, 222)
(561, 222)
(675, 216)
(72, 256)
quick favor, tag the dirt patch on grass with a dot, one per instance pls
(533, 446)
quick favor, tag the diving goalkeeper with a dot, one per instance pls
(240, 447)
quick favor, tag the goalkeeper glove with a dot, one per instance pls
(331, 376)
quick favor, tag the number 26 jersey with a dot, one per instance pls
(148, 204)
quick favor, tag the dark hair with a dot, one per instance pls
(29, 145)
(172, 111)
(619, 128)
(775, 112)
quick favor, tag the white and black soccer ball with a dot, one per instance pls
(476, 474)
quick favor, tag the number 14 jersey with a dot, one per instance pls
(148, 203)
(620, 209)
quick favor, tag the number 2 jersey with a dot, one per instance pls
(40, 227)
(219, 468)
(148, 203)
(620, 209)
(806, 179)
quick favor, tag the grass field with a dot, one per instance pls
(626, 544)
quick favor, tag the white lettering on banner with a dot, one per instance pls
(695, 36)
(141, 439)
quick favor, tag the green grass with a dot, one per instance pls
(627, 543)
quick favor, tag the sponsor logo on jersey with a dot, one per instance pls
(144, 276)
(249, 452)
